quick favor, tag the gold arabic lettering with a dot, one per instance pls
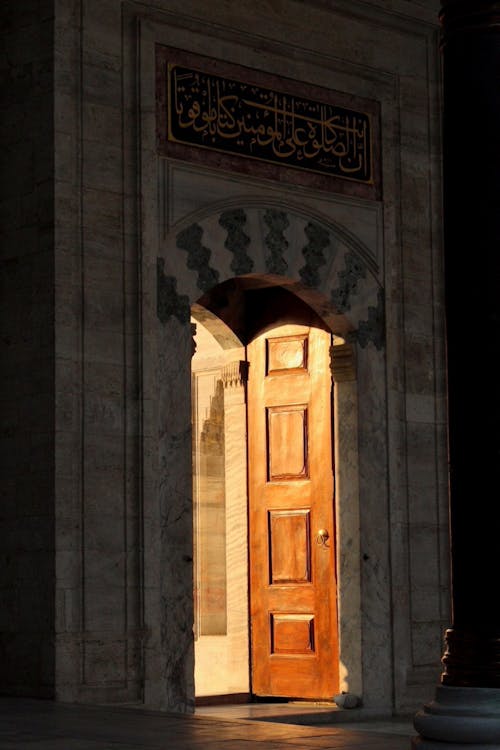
(290, 127)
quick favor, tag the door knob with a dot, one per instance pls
(322, 537)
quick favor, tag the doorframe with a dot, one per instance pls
(346, 503)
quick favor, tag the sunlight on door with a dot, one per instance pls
(290, 566)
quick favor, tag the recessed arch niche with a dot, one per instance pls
(266, 250)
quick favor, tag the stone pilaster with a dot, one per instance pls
(343, 363)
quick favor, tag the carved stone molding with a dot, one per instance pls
(235, 374)
(472, 657)
(198, 256)
(237, 241)
(169, 301)
(343, 363)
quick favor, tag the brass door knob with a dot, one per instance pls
(322, 537)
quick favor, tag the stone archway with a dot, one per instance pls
(323, 263)
(325, 268)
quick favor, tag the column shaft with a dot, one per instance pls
(471, 173)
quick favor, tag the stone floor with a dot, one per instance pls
(45, 725)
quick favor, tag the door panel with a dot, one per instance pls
(292, 567)
(286, 442)
(289, 548)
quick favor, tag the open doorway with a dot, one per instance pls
(220, 517)
(265, 562)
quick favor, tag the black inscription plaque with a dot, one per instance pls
(218, 113)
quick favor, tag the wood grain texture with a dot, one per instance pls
(293, 602)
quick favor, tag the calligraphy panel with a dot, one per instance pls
(216, 113)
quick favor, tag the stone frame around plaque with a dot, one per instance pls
(262, 167)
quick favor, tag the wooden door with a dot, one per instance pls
(294, 646)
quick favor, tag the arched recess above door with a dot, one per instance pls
(274, 245)
(258, 248)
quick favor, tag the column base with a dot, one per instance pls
(460, 718)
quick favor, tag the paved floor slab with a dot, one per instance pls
(45, 725)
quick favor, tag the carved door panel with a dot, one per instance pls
(291, 517)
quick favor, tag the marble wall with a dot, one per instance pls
(373, 259)
(130, 228)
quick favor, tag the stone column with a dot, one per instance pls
(466, 711)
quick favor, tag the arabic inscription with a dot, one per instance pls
(226, 115)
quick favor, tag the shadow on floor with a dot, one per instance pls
(311, 714)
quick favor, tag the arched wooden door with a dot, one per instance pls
(293, 599)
